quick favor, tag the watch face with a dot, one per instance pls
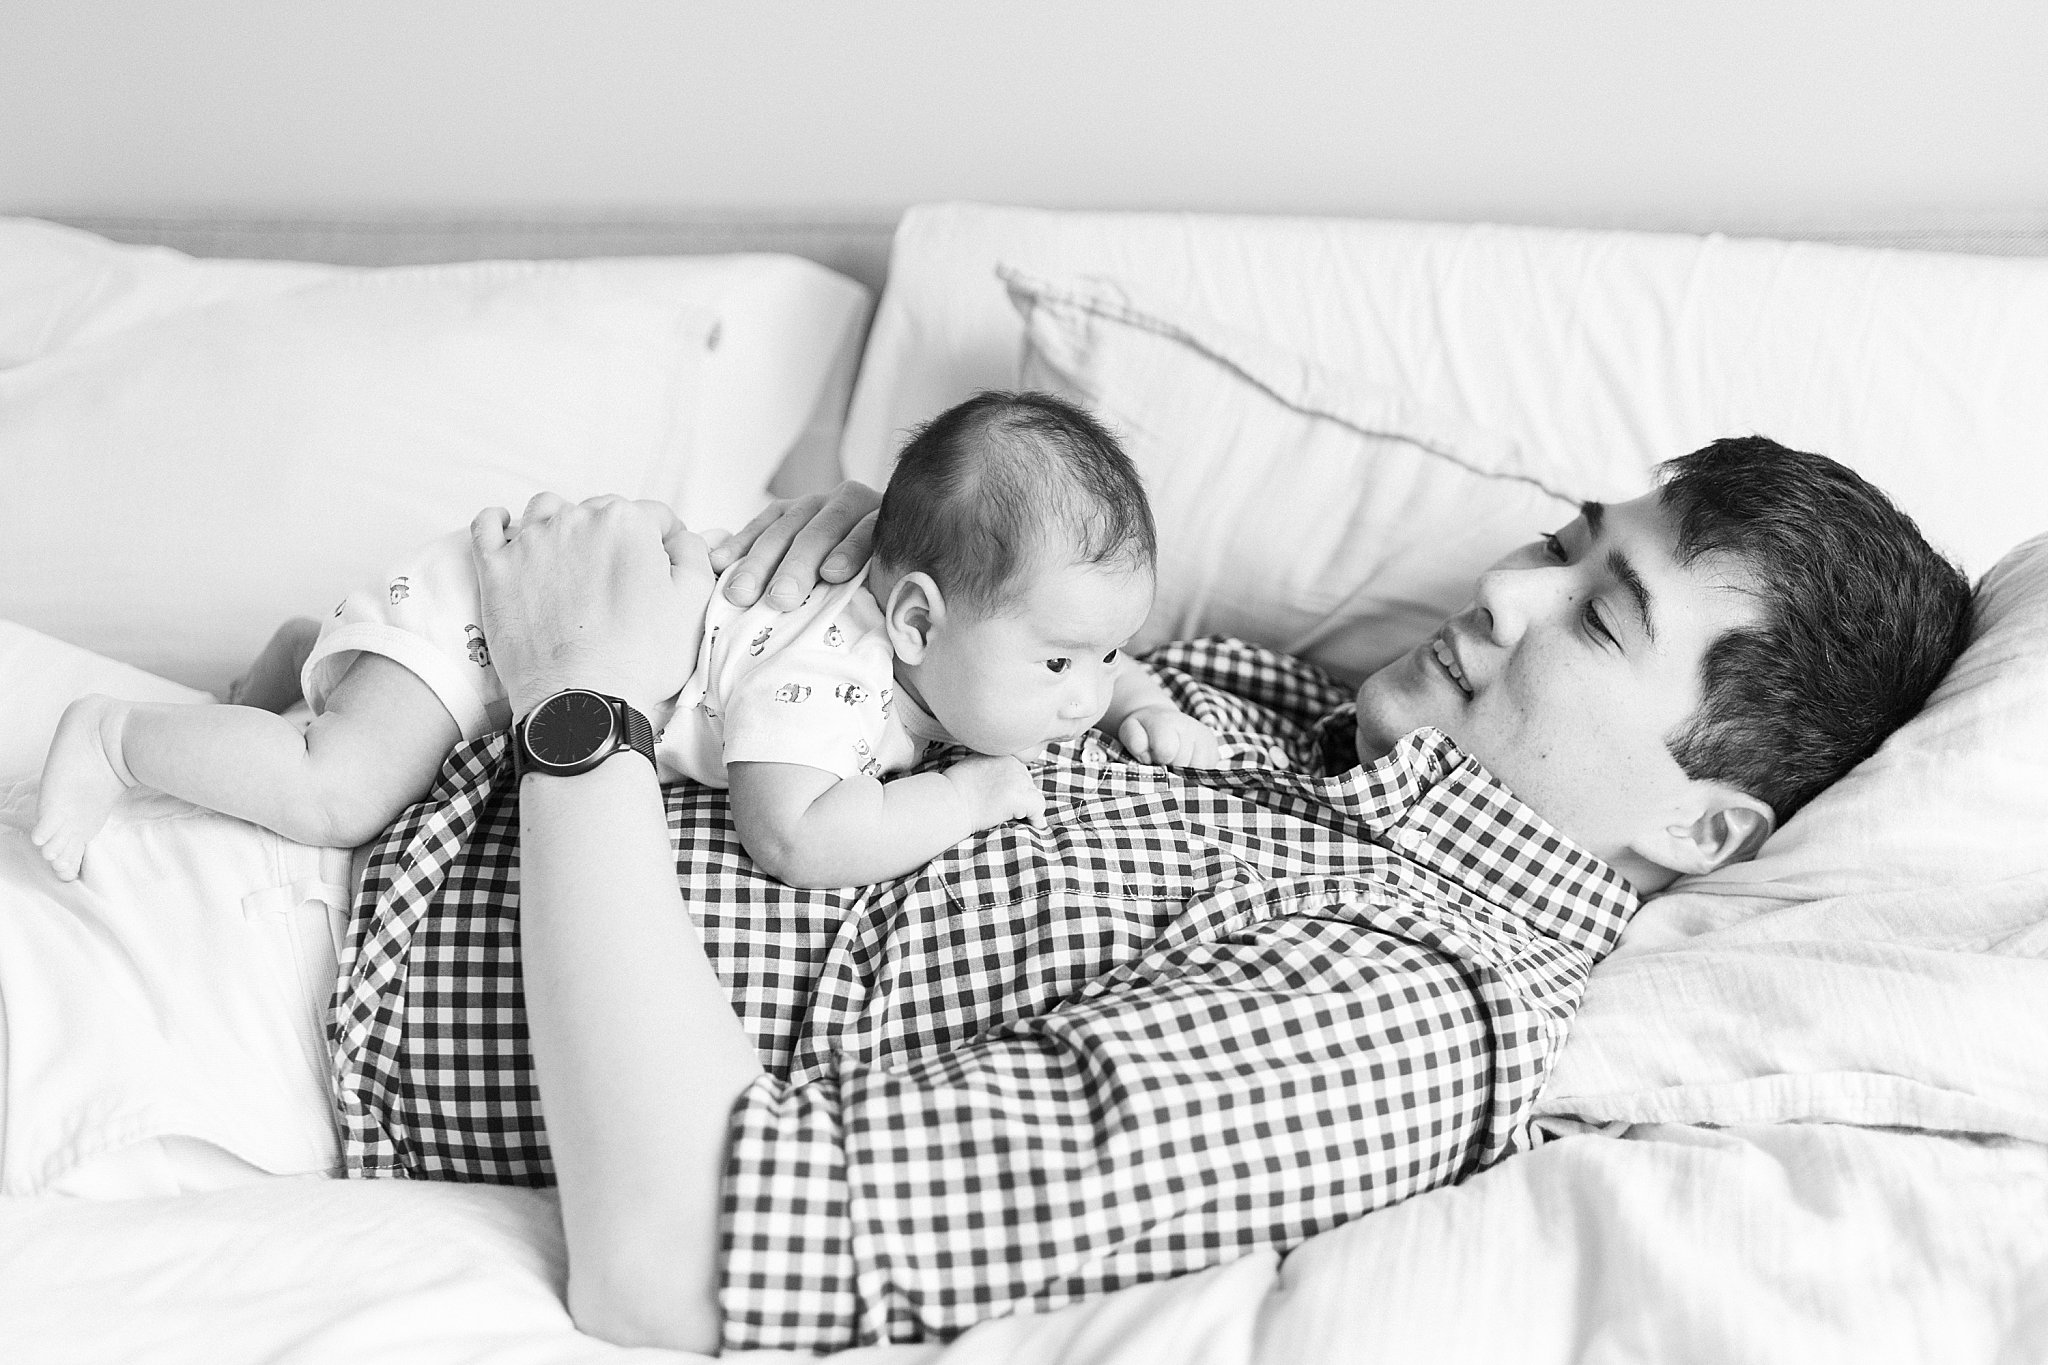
(569, 728)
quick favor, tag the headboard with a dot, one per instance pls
(852, 244)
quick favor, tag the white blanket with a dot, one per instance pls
(1806, 1242)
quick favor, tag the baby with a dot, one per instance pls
(1013, 559)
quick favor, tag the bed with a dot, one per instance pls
(1803, 1113)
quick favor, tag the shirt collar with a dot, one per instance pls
(920, 724)
(1436, 805)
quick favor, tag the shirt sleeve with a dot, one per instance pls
(1201, 1102)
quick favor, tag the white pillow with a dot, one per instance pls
(1320, 513)
(197, 449)
(1884, 959)
(1603, 352)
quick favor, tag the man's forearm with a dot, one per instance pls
(637, 1053)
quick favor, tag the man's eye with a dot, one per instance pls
(1595, 625)
(1059, 665)
(1554, 547)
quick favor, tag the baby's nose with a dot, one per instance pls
(1086, 704)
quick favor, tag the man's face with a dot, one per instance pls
(1579, 655)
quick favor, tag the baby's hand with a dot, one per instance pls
(998, 790)
(1170, 737)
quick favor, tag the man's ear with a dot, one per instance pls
(1730, 826)
(914, 607)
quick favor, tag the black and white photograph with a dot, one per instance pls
(1419, 634)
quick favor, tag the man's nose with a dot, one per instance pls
(1510, 597)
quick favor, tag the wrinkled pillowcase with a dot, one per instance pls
(1316, 512)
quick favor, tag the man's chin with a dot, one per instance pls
(1376, 739)
(1379, 718)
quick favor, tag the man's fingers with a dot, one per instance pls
(688, 552)
(664, 515)
(773, 527)
(838, 536)
(742, 540)
(489, 530)
(846, 527)
(853, 551)
(542, 505)
(799, 541)
(768, 548)
(688, 557)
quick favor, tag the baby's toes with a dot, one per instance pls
(64, 854)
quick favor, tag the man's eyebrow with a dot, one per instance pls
(1618, 564)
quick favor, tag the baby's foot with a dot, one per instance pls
(82, 778)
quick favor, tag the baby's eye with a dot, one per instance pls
(1110, 657)
(1059, 665)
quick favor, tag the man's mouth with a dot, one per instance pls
(1449, 661)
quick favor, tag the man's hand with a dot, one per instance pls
(796, 543)
(1164, 734)
(997, 790)
(605, 594)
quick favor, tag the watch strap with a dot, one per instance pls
(636, 730)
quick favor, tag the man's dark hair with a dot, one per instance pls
(1861, 618)
(988, 487)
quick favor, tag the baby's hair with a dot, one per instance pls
(996, 487)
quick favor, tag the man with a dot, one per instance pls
(1209, 1011)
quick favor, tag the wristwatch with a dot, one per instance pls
(575, 730)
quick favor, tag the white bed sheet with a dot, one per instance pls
(1807, 1242)
(1792, 1242)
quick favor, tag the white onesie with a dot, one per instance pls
(814, 686)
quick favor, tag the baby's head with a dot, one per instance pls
(1013, 559)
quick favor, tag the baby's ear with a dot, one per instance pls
(915, 607)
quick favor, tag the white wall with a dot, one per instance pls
(1618, 111)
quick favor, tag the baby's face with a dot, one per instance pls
(1041, 671)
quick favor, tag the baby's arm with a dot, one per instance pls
(807, 827)
(1144, 717)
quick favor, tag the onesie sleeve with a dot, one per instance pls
(821, 701)
(425, 613)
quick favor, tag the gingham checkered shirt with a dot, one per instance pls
(1203, 1012)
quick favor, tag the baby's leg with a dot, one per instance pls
(272, 682)
(370, 754)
